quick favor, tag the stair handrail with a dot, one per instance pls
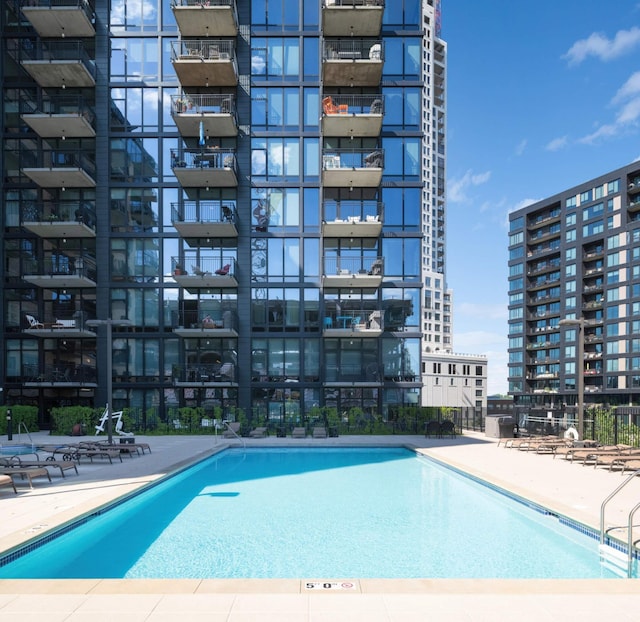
(630, 537)
(226, 424)
(604, 503)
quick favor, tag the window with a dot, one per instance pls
(570, 254)
(570, 235)
(516, 238)
(275, 57)
(273, 158)
(593, 228)
(613, 186)
(570, 220)
(585, 196)
(570, 202)
(517, 223)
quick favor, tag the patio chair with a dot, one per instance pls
(432, 428)
(199, 272)
(33, 323)
(299, 432)
(447, 427)
(319, 432)
(224, 270)
(260, 432)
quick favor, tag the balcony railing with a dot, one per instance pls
(203, 158)
(203, 211)
(353, 211)
(354, 265)
(333, 159)
(199, 103)
(353, 49)
(204, 49)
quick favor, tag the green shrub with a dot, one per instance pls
(27, 415)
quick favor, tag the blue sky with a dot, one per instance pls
(542, 96)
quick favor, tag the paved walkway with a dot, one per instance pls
(568, 489)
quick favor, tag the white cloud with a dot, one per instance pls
(521, 147)
(605, 49)
(629, 89)
(457, 188)
(627, 99)
(523, 203)
(557, 143)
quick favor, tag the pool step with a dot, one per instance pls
(614, 560)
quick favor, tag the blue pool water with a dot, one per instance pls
(17, 450)
(316, 513)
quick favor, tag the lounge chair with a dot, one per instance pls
(61, 465)
(33, 323)
(224, 270)
(258, 432)
(617, 461)
(319, 432)
(28, 473)
(232, 429)
(299, 432)
(7, 480)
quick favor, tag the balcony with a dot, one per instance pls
(352, 219)
(366, 374)
(61, 168)
(60, 328)
(63, 271)
(60, 64)
(352, 115)
(352, 62)
(206, 18)
(204, 168)
(195, 323)
(60, 18)
(61, 117)
(205, 219)
(353, 272)
(214, 374)
(62, 375)
(204, 63)
(349, 168)
(59, 220)
(633, 186)
(209, 272)
(352, 323)
(214, 115)
(358, 18)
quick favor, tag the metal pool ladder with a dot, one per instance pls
(618, 561)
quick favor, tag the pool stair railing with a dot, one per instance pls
(230, 431)
(615, 558)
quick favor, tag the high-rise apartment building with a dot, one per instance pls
(252, 192)
(574, 295)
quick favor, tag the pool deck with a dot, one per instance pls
(571, 490)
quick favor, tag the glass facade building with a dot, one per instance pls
(255, 186)
(574, 295)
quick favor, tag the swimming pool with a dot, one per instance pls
(316, 513)
(17, 450)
